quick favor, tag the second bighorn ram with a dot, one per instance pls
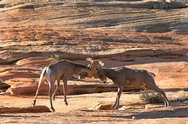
(123, 76)
(62, 70)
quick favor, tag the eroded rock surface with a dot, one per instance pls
(130, 34)
(36, 109)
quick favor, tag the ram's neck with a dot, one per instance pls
(110, 73)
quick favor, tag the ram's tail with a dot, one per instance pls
(151, 74)
(41, 80)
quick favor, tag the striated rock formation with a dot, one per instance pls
(73, 29)
(119, 33)
(168, 75)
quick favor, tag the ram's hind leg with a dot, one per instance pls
(155, 88)
(56, 88)
(51, 87)
(42, 80)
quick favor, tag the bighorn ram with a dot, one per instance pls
(62, 70)
(123, 76)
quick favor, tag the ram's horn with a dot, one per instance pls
(89, 72)
(96, 60)
(101, 63)
(89, 59)
(97, 64)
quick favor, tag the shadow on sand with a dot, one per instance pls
(180, 112)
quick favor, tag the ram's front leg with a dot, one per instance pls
(116, 105)
(64, 91)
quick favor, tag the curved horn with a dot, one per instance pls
(89, 59)
(89, 72)
(97, 64)
(101, 63)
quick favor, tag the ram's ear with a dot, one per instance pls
(89, 65)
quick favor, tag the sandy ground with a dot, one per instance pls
(82, 109)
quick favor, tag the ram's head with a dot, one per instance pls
(95, 66)
(93, 70)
